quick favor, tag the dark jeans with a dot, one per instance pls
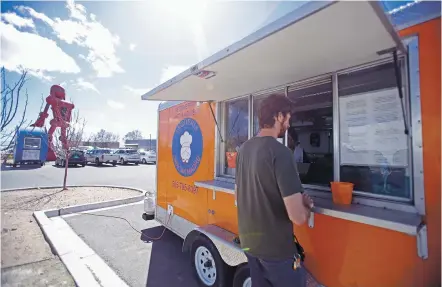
(275, 273)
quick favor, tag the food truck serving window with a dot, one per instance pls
(32, 143)
(374, 150)
(365, 116)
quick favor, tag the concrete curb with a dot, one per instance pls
(93, 185)
(91, 206)
(84, 265)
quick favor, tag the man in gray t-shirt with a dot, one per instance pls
(270, 199)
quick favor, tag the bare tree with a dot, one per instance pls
(105, 136)
(11, 99)
(133, 135)
(74, 136)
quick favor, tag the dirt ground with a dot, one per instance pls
(26, 258)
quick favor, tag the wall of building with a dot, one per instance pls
(101, 144)
(146, 144)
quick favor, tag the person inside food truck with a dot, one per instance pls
(270, 199)
(299, 152)
(295, 145)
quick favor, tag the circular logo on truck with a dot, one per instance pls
(187, 147)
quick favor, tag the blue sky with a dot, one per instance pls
(107, 53)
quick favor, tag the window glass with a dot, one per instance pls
(374, 149)
(77, 152)
(236, 131)
(310, 136)
(32, 143)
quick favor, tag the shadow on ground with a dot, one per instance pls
(168, 266)
(70, 166)
(20, 167)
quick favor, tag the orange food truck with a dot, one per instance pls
(367, 87)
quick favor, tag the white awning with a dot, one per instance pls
(315, 39)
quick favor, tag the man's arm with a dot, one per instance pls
(291, 189)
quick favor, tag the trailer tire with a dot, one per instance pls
(208, 266)
(242, 276)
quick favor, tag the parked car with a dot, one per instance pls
(128, 156)
(149, 156)
(100, 156)
(76, 157)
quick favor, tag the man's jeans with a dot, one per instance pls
(274, 273)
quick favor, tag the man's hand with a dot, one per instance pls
(307, 200)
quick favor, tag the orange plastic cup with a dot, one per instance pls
(342, 192)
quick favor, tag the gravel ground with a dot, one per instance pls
(26, 257)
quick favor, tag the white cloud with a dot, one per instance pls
(115, 105)
(132, 46)
(77, 11)
(166, 74)
(90, 34)
(33, 52)
(35, 14)
(136, 91)
(84, 85)
(170, 72)
(18, 21)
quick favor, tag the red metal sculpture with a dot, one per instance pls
(61, 111)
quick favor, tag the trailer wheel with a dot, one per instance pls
(208, 266)
(242, 276)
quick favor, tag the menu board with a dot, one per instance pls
(372, 129)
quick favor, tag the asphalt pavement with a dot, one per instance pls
(126, 246)
(137, 176)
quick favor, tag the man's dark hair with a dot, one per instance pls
(271, 107)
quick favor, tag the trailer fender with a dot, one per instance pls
(230, 252)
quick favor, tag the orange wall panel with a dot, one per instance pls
(189, 201)
(225, 213)
(429, 34)
(345, 253)
(163, 158)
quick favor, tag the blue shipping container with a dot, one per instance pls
(31, 146)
